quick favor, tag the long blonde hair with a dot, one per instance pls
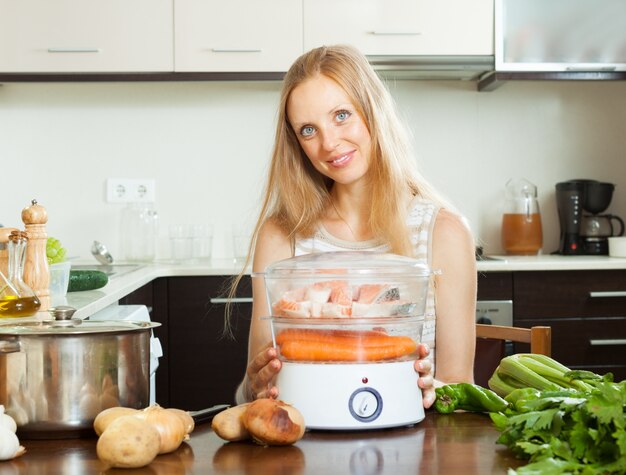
(296, 195)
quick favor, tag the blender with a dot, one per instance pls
(347, 325)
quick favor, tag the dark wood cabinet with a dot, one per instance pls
(206, 360)
(587, 313)
(202, 364)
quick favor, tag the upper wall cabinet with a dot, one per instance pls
(237, 35)
(86, 35)
(402, 27)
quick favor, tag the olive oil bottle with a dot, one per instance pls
(16, 298)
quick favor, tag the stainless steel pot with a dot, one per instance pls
(56, 376)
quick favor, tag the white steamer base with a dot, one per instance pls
(352, 396)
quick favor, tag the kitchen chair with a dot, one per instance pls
(490, 346)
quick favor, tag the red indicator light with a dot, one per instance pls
(364, 380)
(573, 246)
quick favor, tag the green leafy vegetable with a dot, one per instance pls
(575, 432)
(54, 251)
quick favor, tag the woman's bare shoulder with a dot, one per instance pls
(452, 235)
(272, 244)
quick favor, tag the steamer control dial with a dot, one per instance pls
(365, 404)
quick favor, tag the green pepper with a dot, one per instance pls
(468, 397)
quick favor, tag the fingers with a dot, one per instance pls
(428, 397)
(261, 372)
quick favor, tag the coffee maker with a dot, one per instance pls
(584, 230)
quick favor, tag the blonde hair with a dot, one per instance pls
(296, 195)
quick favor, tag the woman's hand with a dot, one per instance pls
(260, 374)
(426, 380)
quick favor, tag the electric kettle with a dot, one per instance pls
(521, 221)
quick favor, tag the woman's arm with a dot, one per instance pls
(272, 245)
(455, 299)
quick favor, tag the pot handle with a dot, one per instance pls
(10, 345)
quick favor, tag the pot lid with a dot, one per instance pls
(73, 327)
(347, 263)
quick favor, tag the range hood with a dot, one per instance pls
(558, 40)
(467, 68)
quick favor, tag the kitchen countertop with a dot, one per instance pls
(128, 278)
(454, 443)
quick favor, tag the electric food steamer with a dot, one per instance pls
(347, 326)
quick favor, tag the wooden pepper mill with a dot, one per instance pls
(36, 270)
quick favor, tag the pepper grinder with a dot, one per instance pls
(36, 270)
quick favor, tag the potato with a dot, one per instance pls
(104, 418)
(228, 424)
(273, 422)
(128, 442)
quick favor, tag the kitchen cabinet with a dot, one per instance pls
(86, 36)
(205, 364)
(237, 35)
(202, 364)
(587, 313)
(402, 27)
(586, 310)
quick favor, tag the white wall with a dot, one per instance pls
(207, 146)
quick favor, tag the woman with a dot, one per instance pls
(342, 177)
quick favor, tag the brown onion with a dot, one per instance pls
(272, 422)
(168, 424)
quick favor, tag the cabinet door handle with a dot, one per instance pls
(233, 300)
(608, 341)
(395, 33)
(617, 293)
(73, 50)
(236, 50)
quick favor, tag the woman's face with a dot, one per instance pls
(331, 132)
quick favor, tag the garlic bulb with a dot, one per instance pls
(7, 421)
(9, 444)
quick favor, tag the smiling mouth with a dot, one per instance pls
(341, 159)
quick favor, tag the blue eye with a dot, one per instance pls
(307, 130)
(342, 115)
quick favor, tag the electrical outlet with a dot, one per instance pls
(130, 190)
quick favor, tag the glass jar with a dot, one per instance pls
(140, 225)
(16, 298)
(521, 221)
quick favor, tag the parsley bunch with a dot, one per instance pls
(568, 431)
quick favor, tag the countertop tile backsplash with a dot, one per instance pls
(207, 146)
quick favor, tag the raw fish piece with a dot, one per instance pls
(370, 293)
(341, 293)
(289, 308)
(318, 292)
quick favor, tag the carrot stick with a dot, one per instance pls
(349, 337)
(340, 350)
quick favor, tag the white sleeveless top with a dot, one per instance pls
(420, 221)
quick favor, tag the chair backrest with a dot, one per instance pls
(539, 337)
(490, 346)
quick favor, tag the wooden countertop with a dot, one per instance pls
(440, 444)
